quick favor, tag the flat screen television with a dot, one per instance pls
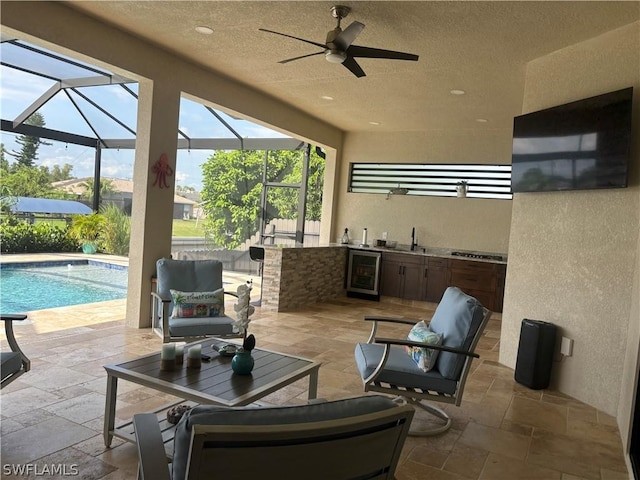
(580, 145)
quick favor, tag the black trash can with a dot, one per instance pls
(535, 353)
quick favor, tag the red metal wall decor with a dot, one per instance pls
(162, 170)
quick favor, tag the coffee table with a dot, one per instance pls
(214, 383)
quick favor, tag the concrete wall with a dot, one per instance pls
(573, 256)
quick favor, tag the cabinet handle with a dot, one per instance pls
(399, 269)
(425, 273)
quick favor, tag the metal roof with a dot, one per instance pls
(47, 205)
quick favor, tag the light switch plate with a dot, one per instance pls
(384, 235)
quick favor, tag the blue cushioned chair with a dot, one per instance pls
(355, 438)
(15, 362)
(386, 367)
(188, 276)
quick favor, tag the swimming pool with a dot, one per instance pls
(25, 287)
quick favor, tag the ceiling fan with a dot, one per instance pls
(338, 47)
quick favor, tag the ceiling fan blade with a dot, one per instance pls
(348, 35)
(301, 56)
(295, 38)
(367, 52)
(353, 67)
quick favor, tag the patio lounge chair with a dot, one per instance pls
(355, 438)
(15, 362)
(397, 366)
(189, 301)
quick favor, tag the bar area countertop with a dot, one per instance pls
(479, 256)
(295, 276)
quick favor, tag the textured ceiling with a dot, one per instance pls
(479, 47)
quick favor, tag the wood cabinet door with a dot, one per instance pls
(412, 279)
(390, 277)
(477, 279)
(437, 278)
(500, 280)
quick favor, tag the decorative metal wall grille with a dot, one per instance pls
(483, 181)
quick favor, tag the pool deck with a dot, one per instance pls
(61, 257)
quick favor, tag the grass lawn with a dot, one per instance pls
(181, 228)
(187, 228)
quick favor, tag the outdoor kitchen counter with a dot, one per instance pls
(479, 256)
(294, 277)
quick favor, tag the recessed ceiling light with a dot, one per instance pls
(481, 120)
(326, 97)
(374, 123)
(204, 30)
(457, 92)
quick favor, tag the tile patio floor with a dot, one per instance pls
(54, 413)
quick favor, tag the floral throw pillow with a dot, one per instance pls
(197, 304)
(424, 357)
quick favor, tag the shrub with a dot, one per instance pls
(87, 228)
(23, 237)
(116, 232)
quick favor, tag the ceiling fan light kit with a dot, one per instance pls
(339, 48)
(335, 56)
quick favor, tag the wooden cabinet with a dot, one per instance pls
(402, 276)
(418, 277)
(436, 278)
(500, 279)
(478, 279)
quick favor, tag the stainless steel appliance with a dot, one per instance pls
(363, 276)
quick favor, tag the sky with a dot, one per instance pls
(18, 90)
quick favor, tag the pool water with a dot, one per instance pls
(38, 287)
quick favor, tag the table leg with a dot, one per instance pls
(110, 409)
(313, 383)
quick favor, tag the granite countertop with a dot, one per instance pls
(476, 256)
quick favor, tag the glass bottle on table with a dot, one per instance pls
(345, 237)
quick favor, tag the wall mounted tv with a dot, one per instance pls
(580, 145)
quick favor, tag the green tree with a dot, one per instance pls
(4, 163)
(30, 182)
(28, 154)
(180, 189)
(61, 173)
(232, 187)
(7, 199)
(231, 195)
(106, 187)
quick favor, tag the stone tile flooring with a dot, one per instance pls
(53, 414)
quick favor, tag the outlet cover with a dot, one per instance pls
(384, 235)
(566, 347)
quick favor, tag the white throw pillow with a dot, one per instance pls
(424, 357)
(197, 304)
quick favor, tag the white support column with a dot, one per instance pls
(154, 178)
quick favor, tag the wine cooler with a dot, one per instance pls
(363, 276)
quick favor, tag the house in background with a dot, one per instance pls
(122, 197)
